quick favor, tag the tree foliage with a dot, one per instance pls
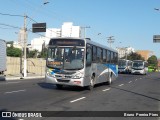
(134, 56)
(32, 54)
(16, 52)
(43, 54)
(13, 52)
(152, 61)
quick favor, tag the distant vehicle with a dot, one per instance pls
(139, 67)
(124, 66)
(3, 55)
(80, 62)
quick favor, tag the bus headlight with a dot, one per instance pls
(49, 73)
(77, 76)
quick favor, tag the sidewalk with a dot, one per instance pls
(19, 76)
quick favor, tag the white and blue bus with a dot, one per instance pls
(80, 62)
(124, 66)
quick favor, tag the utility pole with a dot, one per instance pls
(25, 46)
(110, 40)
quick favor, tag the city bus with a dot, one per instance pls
(80, 62)
(139, 67)
(124, 66)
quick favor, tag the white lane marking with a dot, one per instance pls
(136, 80)
(15, 91)
(12, 82)
(77, 99)
(140, 78)
(121, 85)
(130, 82)
(106, 89)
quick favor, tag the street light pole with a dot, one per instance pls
(25, 46)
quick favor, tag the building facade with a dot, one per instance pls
(145, 53)
(68, 30)
(36, 43)
(125, 51)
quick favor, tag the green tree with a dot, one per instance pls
(152, 61)
(13, 52)
(43, 54)
(32, 54)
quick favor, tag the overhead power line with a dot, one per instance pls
(11, 15)
(10, 26)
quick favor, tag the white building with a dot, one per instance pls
(68, 30)
(52, 32)
(15, 44)
(124, 51)
(36, 43)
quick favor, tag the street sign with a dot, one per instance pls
(39, 27)
(156, 38)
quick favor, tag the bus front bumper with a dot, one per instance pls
(137, 72)
(69, 81)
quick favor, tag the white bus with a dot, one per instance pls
(80, 62)
(139, 67)
(124, 66)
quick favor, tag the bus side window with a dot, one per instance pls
(112, 57)
(94, 53)
(104, 56)
(88, 57)
(99, 55)
(115, 58)
(108, 56)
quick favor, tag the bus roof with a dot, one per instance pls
(87, 40)
(139, 61)
(100, 45)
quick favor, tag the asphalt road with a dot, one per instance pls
(127, 93)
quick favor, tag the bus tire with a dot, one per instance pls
(91, 84)
(59, 86)
(109, 82)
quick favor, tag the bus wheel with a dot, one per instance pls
(59, 86)
(91, 84)
(109, 82)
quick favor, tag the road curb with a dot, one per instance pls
(24, 78)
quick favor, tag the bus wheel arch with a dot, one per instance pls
(92, 82)
(109, 82)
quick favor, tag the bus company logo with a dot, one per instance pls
(6, 114)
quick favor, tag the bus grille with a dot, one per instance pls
(60, 80)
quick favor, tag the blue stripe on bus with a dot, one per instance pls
(113, 67)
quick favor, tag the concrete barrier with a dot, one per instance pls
(34, 66)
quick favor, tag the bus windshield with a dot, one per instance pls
(137, 65)
(68, 58)
(122, 63)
